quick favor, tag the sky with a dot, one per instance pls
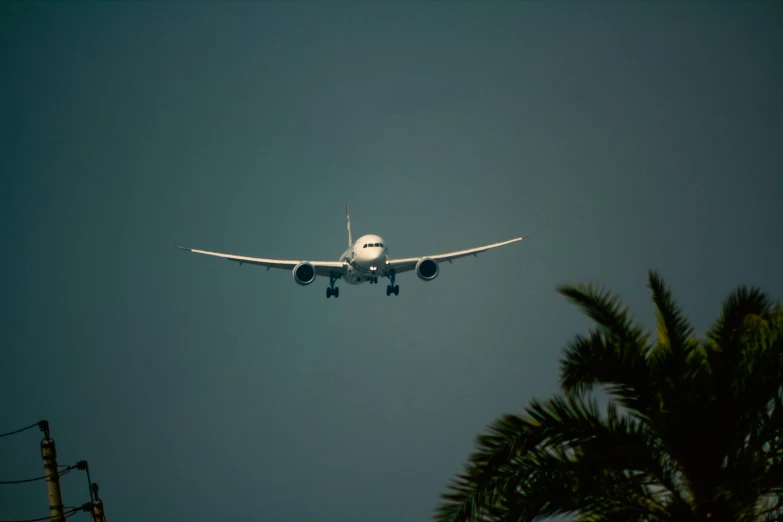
(628, 136)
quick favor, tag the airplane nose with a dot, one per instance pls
(373, 260)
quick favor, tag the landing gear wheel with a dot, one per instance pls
(392, 288)
(333, 290)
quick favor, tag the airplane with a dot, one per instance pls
(365, 260)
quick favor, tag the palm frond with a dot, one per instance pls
(759, 388)
(618, 516)
(545, 486)
(475, 490)
(498, 454)
(560, 456)
(772, 479)
(606, 310)
(740, 305)
(613, 356)
(770, 508)
(465, 499)
(747, 374)
(558, 484)
(620, 368)
(633, 447)
(674, 330)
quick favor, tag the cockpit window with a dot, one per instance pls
(365, 246)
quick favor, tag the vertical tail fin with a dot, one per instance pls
(348, 221)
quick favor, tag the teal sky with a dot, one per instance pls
(628, 136)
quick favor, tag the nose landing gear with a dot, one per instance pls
(373, 279)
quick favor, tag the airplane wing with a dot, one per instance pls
(322, 268)
(409, 263)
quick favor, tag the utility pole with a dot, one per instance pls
(52, 474)
(98, 514)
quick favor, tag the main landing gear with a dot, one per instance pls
(392, 288)
(332, 290)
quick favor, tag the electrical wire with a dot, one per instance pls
(75, 510)
(67, 470)
(83, 464)
(21, 430)
(67, 514)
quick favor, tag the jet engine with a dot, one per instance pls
(427, 269)
(304, 273)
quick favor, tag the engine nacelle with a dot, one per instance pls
(427, 269)
(304, 273)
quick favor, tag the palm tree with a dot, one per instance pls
(693, 428)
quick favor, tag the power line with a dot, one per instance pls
(68, 514)
(65, 471)
(42, 519)
(37, 424)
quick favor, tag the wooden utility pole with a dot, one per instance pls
(52, 474)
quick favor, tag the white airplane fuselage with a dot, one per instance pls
(365, 260)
